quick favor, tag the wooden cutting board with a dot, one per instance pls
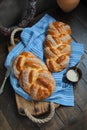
(35, 108)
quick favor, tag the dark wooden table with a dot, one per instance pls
(65, 118)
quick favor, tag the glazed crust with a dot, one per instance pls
(39, 84)
(57, 46)
(19, 62)
(33, 76)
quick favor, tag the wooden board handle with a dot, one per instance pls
(38, 120)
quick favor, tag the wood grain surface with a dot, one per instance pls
(35, 108)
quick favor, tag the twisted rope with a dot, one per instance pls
(37, 120)
(13, 34)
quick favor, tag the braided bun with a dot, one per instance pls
(33, 76)
(57, 47)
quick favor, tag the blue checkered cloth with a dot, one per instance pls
(32, 40)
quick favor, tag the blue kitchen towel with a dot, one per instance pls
(32, 40)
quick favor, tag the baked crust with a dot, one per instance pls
(33, 76)
(19, 62)
(57, 46)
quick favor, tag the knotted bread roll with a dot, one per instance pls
(33, 76)
(57, 46)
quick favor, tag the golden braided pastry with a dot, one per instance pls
(33, 76)
(57, 46)
(19, 62)
(59, 27)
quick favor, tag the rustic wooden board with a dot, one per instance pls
(35, 108)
